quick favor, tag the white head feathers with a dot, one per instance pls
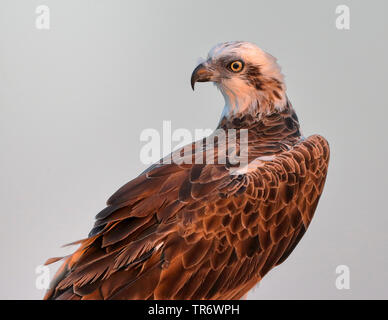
(257, 87)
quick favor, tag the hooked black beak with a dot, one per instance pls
(201, 74)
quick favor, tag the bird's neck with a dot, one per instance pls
(278, 126)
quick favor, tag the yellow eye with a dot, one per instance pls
(236, 66)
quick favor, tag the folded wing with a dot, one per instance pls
(194, 231)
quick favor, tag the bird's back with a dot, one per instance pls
(194, 231)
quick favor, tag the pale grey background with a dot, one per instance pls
(74, 100)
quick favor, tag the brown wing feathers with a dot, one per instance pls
(196, 232)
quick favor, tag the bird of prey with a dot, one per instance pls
(208, 229)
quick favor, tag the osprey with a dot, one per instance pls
(208, 229)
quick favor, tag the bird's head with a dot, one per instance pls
(249, 78)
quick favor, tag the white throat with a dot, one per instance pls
(246, 100)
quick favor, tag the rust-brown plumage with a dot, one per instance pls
(195, 231)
